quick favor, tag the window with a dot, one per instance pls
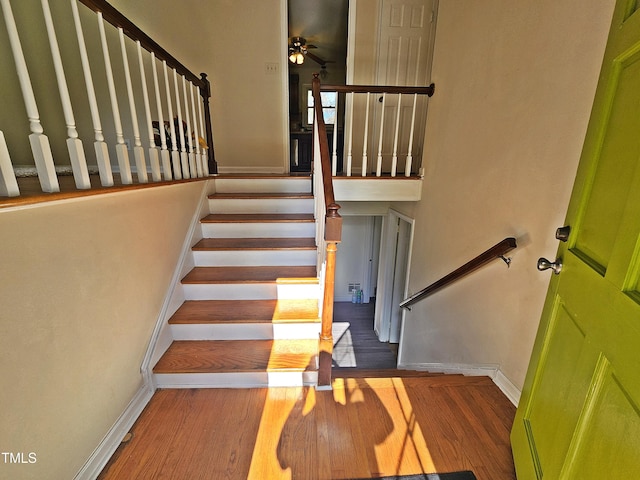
(329, 103)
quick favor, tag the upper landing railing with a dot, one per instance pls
(383, 130)
(85, 73)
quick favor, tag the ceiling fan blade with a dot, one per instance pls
(316, 59)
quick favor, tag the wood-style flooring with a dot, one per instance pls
(363, 428)
(376, 421)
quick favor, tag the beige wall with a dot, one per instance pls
(514, 86)
(231, 41)
(83, 283)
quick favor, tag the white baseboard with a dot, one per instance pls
(250, 170)
(103, 452)
(489, 370)
(508, 388)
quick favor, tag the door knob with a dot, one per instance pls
(544, 264)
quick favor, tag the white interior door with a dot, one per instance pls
(405, 48)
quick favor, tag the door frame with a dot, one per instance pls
(387, 273)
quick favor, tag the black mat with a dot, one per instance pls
(466, 475)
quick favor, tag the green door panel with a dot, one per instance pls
(579, 415)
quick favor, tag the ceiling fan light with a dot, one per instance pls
(299, 58)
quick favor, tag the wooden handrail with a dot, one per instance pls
(497, 251)
(332, 235)
(379, 89)
(118, 20)
(333, 231)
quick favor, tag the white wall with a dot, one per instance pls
(514, 86)
(83, 284)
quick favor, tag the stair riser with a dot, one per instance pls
(231, 258)
(262, 205)
(263, 185)
(249, 291)
(258, 230)
(236, 380)
(246, 331)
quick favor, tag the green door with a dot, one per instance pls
(579, 415)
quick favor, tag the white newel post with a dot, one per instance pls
(154, 157)
(175, 155)
(121, 149)
(379, 160)
(190, 152)
(164, 152)
(74, 144)
(8, 182)
(394, 158)
(38, 141)
(409, 161)
(184, 160)
(365, 141)
(196, 133)
(138, 151)
(100, 147)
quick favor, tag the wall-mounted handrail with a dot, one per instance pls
(497, 251)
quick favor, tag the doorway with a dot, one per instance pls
(393, 275)
(319, 31)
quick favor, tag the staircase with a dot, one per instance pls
(250, 313)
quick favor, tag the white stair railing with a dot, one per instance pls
(39, 142)
(111, 79)
(389, 124)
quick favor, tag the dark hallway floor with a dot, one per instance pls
(356, 344)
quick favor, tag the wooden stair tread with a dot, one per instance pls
(353, 372)
(227, 356)
(290, 243)
(253, 274)
(258, 218)
(278, 196)
(246, 311)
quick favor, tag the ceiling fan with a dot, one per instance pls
(298, 49)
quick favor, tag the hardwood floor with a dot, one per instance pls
(356, 344)
(363, 428)
(376, 421)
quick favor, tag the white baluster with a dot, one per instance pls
(379, 160)
(350, 143)
(190, 155)
(175, 155)
(394, 158)
(74, 144)
(365, 141)
(8, 182)
(138, 151)
(154, 157)
(196, 144)
(100, 147)
(184, 161)
(121, 149)
(38, 141)
(409, 161)
(164, 152)
(334, 157)
(205, 158)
